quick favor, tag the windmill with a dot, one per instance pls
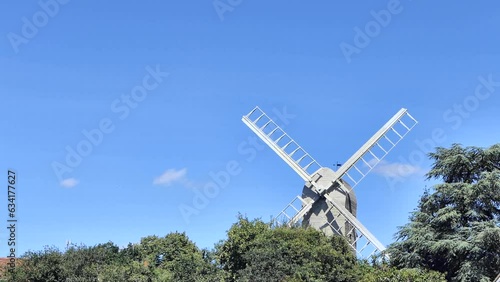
(328, 202)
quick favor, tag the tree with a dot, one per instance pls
(170, 258)
(456, 228)
(174, 258)
(39, 266)
(240, 237)
(254, 251)
(298, 254)
(87, 263)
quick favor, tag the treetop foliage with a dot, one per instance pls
(463, 164)
(252, 251)
(456, 228)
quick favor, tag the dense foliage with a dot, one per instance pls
(456, 228)
(253, 251)
(284, 254)
(453, 235)
(170, 258)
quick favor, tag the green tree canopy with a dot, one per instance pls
(176, 257)
(254, 251)
(456, 229)
(170, 258)
(240, 237)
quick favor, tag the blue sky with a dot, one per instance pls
(69, 68)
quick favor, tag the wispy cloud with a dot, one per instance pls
(170, 176)
(68, 182)
(395, 169)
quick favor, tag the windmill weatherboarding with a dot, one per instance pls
(328, 202)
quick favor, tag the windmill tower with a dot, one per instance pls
(328, 202)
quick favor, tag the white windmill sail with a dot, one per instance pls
(376, 148)
(277, 139)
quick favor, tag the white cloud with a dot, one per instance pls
(396, 169)
(170, 176)
(69, 183)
